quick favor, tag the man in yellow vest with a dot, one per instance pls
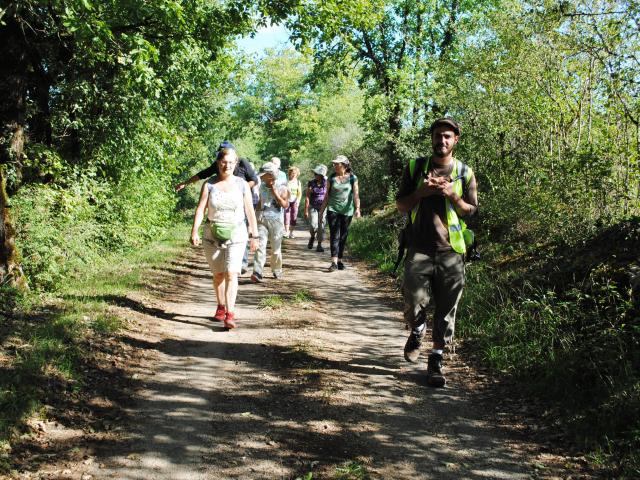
(435, 191)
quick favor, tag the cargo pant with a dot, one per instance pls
(270, 230)
(437, 278)
(316, 224)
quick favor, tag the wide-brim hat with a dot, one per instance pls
(320, 170)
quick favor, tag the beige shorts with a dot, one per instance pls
(222, 258)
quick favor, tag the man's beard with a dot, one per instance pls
(440, 151)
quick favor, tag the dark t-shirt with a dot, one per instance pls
(242, 170)
(430, 232)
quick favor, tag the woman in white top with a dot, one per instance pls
(228, 202)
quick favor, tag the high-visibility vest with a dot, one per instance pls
(459, 236)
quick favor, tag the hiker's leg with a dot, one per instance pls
(334, 234)
(219, 286)
(293, 221)
(448, 282)
(231, 290)
(345, 221)
(416, 288)
(276, 232)
(322, 222)
(215, 258)
(245, 256)
(260, 255)
(287, 218)
(313, 222)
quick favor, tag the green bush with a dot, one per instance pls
(375, 237)
(61, 229)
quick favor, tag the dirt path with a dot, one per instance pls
(313, 387)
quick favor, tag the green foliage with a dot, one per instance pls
(351, 471)
(272, 302)
(301, 296)
(375, 238)
(60, 230)
(288, 113)
(562, 318)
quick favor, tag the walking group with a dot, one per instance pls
(248, 212)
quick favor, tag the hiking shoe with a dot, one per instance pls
(435, 378)
(319, 248)
(412, 347)
(230, 321)
(310, 244)
(256, 277)
(291, 235)
(277, 275)
(340, 266)
(221, 311)
(333, 267)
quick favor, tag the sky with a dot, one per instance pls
(266, 37)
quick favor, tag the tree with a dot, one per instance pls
(396, 44)
(77, 75)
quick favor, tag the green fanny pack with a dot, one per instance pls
(223, 231)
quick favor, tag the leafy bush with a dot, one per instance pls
(61, 229)
(375, 237)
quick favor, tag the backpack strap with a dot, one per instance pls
(416, 167)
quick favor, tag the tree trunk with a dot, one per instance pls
(10, 270)
(13, 91)
(392, 153)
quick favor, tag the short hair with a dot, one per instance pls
(294, 169)
(224, 151)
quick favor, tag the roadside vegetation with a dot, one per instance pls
(63, 349)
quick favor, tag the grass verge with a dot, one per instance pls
(60, 351)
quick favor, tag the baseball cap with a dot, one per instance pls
(341, 159)
(226, 144)
(268, 167)
(445, 122)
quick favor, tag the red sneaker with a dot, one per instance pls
(230, 321)
(220, 313)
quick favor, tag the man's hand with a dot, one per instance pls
(429, 186)
(446, 190)
(180, 186)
